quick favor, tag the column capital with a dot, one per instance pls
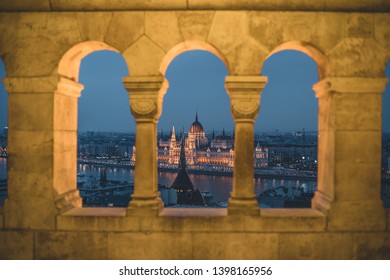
(68, 200)
(69, 87)
(349, 85)
(146, 94)
(244, 92)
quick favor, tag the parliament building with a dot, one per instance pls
(202, 154)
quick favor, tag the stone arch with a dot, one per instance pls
(318, 56)
(65, 112)
(190, 46)
(146, 100)
(325, 188)
(69, 65)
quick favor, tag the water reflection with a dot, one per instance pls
(219, 186)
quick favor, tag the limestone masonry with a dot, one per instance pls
(42, 43)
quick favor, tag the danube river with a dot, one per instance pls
(219, 186)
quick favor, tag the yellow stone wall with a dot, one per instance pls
(42, 46)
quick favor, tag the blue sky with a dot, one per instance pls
(197, 83)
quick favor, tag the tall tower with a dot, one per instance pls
(196, 134)
(186, 192)
(173, 136)
(183, 162)
(172, 146)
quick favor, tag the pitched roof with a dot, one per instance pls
(182, 180)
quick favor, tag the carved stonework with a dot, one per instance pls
(142, 107)
(69, 87)
(146, 96)
(244, 92)
(244, 107)
(68, 200)
(322, 89)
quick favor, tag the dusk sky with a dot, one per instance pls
(196, 81)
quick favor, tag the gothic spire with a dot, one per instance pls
(173, 135)
(182, 162)
(196, 115)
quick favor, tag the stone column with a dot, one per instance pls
(146, 97)
(244, 92)
(65, 144)
(42, 139)
(349, 153)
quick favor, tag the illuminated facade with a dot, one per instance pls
(216, 153)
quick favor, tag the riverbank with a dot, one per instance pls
(264, 173)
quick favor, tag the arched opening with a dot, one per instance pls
(196, 122)
(66, 107)
(385, 186)
(311, 51)
(3, 136)
(69, 65)
(190, 46)
(105, 132)
(287, 128)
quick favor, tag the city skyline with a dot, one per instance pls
(197, 84)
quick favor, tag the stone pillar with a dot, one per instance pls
(65, 144)
(146, 97)
(42, 141)
(244, 92)
(349, 153)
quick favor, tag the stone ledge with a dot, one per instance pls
(298, 212)
(96, 212)
(155, 5)
(289, 220)
(193, 212)
(192, 220)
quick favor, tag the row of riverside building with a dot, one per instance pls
(216, 153)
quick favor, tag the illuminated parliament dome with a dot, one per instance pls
(196, 126)
(196, 134)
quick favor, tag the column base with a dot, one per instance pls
(69, 200)
(144, 206)
(321, 202)
(243, 206)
